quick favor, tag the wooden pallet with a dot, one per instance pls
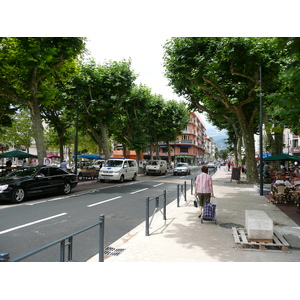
(242, 242)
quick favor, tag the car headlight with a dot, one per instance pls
(3, 187)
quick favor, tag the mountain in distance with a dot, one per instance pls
(218, 136)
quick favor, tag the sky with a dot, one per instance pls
(138, 29)
(146, 54)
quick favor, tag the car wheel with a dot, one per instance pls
(134, 177)
(122, 178)
(18, 195)
(102, 180)
(67, 188)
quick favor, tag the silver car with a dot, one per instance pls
(182, 168)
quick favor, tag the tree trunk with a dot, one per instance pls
(169, 153)
(138, 159)
(102, 138)
(248, 136)
(61, 147)
(105, 140)
(124, 150)
(38, 129)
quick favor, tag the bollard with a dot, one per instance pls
(101, 238)
(4, 257)
(165, 205)
(177, 195)
(147, 216)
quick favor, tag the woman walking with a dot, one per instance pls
(203, 188)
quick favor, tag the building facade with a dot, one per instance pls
(189, 146)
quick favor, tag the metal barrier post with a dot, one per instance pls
(157, 202)
(177, 195)
(101, 238)
(147, 216)
(62, 250)
(185, 191)
(165, 205)
(70, 248)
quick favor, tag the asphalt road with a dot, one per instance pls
(37, 222)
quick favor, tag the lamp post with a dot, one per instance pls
(261, 175)
(76, 133)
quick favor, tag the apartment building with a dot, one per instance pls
(189, 146)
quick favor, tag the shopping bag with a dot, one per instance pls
(196, 201)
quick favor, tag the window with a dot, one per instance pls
(184, 150)
(132, 163)
(295, 143)
(56, 171)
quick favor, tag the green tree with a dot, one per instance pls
(20, 133)
(225, 71)
(29, 68)
(131, 126)
(284, 111)
(174, 118)
(109, 85)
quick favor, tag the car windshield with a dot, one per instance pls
(153, 163)
(22, 172)
(181, 165)
(114, 163)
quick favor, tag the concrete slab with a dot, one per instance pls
(293, 240)
(259, 225)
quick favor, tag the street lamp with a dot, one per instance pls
(261, 175)
(76, 133)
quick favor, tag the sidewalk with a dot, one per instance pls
(183, 238)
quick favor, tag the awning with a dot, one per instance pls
(184, 146)
(281, 157)
(18, 154)
(88, 156)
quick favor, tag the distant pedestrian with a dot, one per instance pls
(24, 164)
(203, 188)
(8, 165)
(63, 165)
(229, 166)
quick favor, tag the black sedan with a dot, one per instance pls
(39, 180)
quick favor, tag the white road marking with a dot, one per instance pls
(31, 223)
(34, 203)
(158, 184)
(104, 201)
(139, 191)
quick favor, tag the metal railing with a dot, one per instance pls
(157, 208)
(181, 190)
(64, 242)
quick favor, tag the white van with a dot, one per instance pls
(158, 167)
(119, 169)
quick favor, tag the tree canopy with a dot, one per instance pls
(29, 69)
(221, 77)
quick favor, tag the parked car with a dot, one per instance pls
(119, 169)
(39, 180)
(211, 165)
(157, 167)
(182, 168)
